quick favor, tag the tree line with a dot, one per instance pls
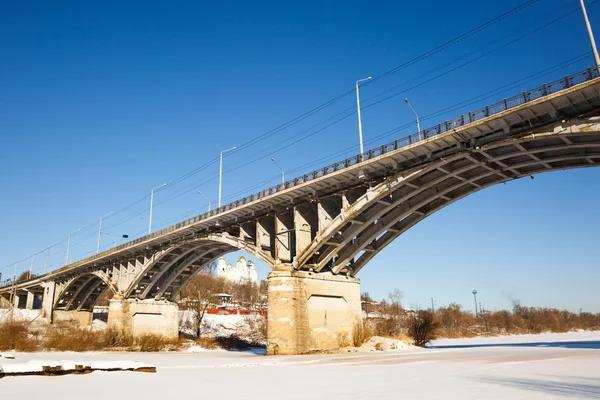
(389, 318)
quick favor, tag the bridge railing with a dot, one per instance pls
(464, 119)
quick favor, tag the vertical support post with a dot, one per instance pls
(30, 300)
(590, 34)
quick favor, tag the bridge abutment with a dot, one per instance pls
(310, 311)
(139, 317)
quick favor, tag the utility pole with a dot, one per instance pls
(432, 306)
(590, 34)
(475, 297)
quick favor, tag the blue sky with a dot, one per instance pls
(101, 101)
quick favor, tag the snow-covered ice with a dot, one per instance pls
(564, 366)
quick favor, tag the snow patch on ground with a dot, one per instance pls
(20, 314)
(379, 343)
(496, 372)
(223, 326)
(99, 325)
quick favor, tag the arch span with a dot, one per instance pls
(398, 202)
(163, 275)
(80, 293)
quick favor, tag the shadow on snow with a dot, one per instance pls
(589, 344)
(564, 389)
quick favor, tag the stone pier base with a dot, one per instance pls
(140, 317)
(48, 300)
(83, 318)
(310, 311)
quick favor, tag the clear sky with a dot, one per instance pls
(101, 101)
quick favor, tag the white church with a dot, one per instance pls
(242, 272)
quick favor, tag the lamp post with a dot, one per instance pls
(475, 297)
(590, 34)
(151, 204)
(46, 263)
(358, 111)
(31, 266)
(100, 230)
(207, 199)
(69, 245)
(221, 174)
(282, 173)
(416, 115)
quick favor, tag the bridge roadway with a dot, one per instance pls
(319, 230)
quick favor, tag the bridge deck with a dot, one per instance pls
(567, 98)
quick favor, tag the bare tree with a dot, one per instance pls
(366, 302)
(200, 292)
(422, 328)
(395, 298)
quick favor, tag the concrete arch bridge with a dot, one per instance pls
(319, 230)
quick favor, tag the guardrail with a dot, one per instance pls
(464, 119)
(9, 281)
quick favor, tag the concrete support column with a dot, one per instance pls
(16, 299)
(310, 311)
(139, 317)
(48, 300)
(30, 300)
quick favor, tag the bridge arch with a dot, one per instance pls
(80, 293)
(391, 206)
(163, 275)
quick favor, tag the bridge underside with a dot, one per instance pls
(319, 233)
(402, 201)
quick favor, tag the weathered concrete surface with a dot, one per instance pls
(139, 317)
(309, 311)
(83, 318)
(48, 299)
(30, 300)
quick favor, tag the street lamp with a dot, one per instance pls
(69, 245)
(414, 112)
(590, 34)
(151, 204)
(282, 173)
(475, 297)
(358, 109)
(100, 230)
(207, 199)
(221, 174)
(31, 266)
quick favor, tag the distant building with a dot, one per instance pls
(242, 272)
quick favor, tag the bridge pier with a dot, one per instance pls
(30, 300)
(49, 288)
(19, 299)
(311, 311)
(139, 317)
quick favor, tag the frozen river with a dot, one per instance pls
(553, 366)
